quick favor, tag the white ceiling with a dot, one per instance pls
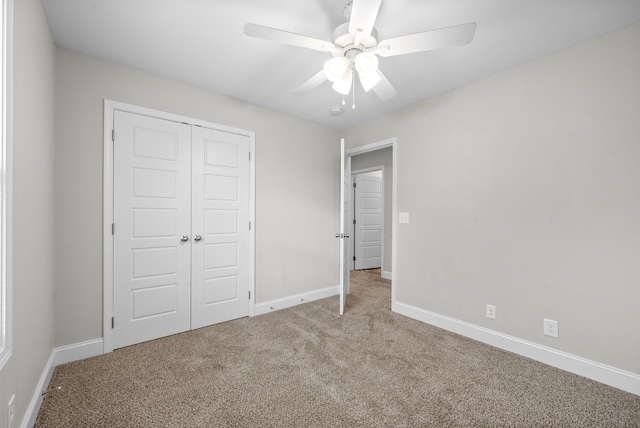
(201, 42)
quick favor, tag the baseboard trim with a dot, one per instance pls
(297, 299)
(31, 414)
(626, 381)
(78, 351)
(61, 355)
(387, 275)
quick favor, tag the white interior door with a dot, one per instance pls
(343, 235)
(152, 205)
(220, 255)
(368, 220)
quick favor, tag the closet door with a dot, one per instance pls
(152, 218)
(220, 226)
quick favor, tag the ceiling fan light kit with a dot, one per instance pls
(343, 85)
(355, 47)
(367, 67)
(366, 63)
(335, 68)
(339, 71)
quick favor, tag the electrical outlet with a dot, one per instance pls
(551, 328)
(11, 411)
(491, 312)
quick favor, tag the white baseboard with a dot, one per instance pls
(61, 355)
(287, 302)
(608, 375)
(387, 275)
(31, 414)
(78, 351)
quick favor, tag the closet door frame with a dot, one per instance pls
(110, 107)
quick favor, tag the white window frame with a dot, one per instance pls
(6, 141)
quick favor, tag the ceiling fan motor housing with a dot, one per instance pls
(343, 40)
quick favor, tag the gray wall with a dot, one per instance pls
(33, 268)
(296, 186)
(523, 190)
(376, 158)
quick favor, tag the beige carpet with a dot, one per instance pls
(309, 367)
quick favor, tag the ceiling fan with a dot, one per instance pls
(355, 48)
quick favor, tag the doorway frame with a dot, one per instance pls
(352, 215)
(110, 107)
(393, 143)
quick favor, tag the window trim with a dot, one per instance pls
(6, 174)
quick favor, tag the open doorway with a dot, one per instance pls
(379, 156)
(371, 211)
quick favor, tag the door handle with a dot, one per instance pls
(184, 238)
(346, 235)
(197, 238)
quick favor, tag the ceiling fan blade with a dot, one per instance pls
(363, 16)
(384, 90)
(429, 40)
(268, 33)
(312, 83)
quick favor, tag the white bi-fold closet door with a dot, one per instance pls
(181, 227)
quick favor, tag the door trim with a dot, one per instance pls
(393, 143)
(107, 238)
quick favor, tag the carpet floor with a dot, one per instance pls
(307, 366)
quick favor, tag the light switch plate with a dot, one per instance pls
(403, 217)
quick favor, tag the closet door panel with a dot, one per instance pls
(220, 217)
(152, 210)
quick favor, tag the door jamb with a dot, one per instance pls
(107, 237)
(393, 143)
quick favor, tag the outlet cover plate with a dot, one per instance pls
(491, 312)
(550, 328)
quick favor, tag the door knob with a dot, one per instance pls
(337, 235)
(346, 235)
(184, 238)
(197, 238)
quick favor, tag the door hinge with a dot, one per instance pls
(354, 184)
(249, 225)
(113, 323)
(113, 228)
(113, 135)
(354, 258)
(354, 221)
(249, 294)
